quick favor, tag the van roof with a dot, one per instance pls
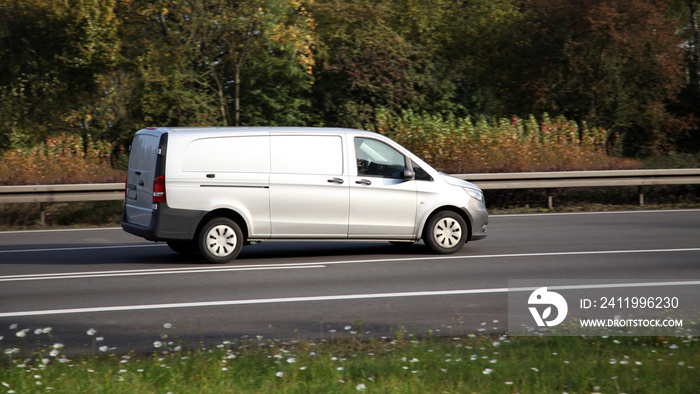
(270, 129)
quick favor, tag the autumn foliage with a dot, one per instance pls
(465, 145)
(59, 160)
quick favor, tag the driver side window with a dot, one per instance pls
(375, 158)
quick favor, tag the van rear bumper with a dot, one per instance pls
(166, 224)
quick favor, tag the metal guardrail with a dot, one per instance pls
(62, 193)
(489, 181)
(566, 179)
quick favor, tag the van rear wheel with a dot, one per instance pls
(220, 240)
(446, 232)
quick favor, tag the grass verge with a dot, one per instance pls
(485, 364)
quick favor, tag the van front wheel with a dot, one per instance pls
(220, 240)
(446, 232)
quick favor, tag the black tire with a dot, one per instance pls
(188, 248)
(220, 240)
(446, 232)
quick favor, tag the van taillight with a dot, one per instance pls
(159, 189)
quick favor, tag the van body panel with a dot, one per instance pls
(140, 176)
(288, 183)
(303, 206)
(372, 217)
(309, 194)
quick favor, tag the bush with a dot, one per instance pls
(64, 159)
(466, 145)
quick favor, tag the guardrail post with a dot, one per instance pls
(641, 196)
(550, 202)
(42, 214)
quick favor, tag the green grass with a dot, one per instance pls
(405, 364)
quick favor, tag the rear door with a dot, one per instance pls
(140, 175)
(309, 195)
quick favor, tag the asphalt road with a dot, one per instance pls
(127, 289)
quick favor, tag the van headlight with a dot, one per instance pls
(476, 194)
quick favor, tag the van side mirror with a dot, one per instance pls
(408, 174)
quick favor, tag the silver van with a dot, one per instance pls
(212, 190)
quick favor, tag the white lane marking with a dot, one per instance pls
(59, 230)
(80, 248)
(506, 215)
(81, 275)
(163, 271)
(122, 308)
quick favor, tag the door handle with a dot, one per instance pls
(141, 183)
(364, 182)
(336, 180)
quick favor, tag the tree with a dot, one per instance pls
(51, 56)
(687, 108)
(212, 55)
(612, 64)
(365, 62)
